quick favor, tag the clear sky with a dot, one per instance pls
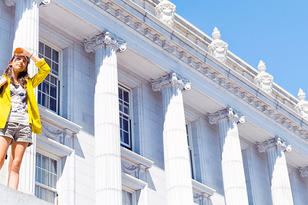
(275, 31)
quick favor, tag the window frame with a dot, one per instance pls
(191, 150)
(60, 76)
(132, 192)
(131, 115)
(58, 161)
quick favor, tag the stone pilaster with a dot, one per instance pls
(176, 157)
(26, 35)
(231, 156)
(108, 181)
(277, 164)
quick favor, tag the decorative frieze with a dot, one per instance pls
(104, 39)
(228, 113)
(210, 73)
(276, 142)
(165, 11)
(264, 80)
(172, 79)
(218, 48)
(302, 105)
(303, 171)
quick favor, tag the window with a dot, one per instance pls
(49, 89)
(125, 117)
(190, 150)
(127, 198)
(46, 178)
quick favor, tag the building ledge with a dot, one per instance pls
(9, 196)
(202, 189)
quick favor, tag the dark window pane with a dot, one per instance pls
(41, 48)
(125, 125)
(48, 61)
(55, 56)
(55, 68)
(48, 52)
(120, 93)
(126, 98)
(126, 139)
(53, 105)
(39, 97)
(45, 87)
(53, 80)
(53, 91)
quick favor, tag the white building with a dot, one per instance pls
(197, 124)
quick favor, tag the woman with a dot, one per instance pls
(19, 115)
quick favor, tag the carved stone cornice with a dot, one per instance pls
(218, 48)
(199, 63)
(264, 80)
(10, 2)
(276, 142)
(172, 79)
(227, 113)
(104, 39)
(165, 11)
(303, 171)
(302, 105)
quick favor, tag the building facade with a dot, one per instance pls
(142, 108)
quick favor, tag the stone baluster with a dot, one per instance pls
(26, 35)
(108, 181)
(176, 157)
(231, 156)
(277, 164)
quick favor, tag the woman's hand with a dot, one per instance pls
(21, 52)
(24, 52)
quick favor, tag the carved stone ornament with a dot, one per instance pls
(264, 80)
(303, 171)
(171, 79)
(275, 142)
(228, 113)
(218, 48)
(10, 2)
(104, 39)
(302, 105)
(165, 11)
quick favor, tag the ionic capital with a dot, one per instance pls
(10, 2)
(277, 143)
(104, 39)
(303, 171)
(227, 113)
(171, 80)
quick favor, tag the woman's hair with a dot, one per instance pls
(21, 78)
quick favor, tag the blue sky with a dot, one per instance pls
(275, 31)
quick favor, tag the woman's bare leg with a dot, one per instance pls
(4, 145)
(17, 153)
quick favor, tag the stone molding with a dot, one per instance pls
(264, 80)
(200, 65)
(218, 48)
(227, 113)
(302, 105)
(276, 142)
(104, 39)
(10, 2)
(165, 11)
(303, 171)
(171, 79)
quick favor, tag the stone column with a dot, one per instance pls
(26, 35)
(176, 158)
(279, 177)
(108, 181)
(231, 156)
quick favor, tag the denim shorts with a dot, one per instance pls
(17, 132)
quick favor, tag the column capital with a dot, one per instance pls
(303, 171)
(173, 80)
(104, 39)
(227, 113)
(10, 2)
(276, 142)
